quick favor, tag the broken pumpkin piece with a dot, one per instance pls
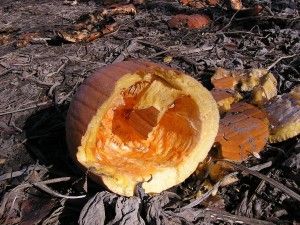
(92, 26)
(199, 4)
(283, 112)
(218, 170)
(243, 130)
(260, 82)
(236, 4)
(194, 21)
(225, 98)
(265, 90)
(225, 79)
(254, 77)
(139, 122)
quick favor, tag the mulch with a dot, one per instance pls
(39, 73)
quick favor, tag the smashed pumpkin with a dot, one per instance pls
(244, 130)
(139, 122)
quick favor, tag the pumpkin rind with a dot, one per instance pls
(93, 99)
(243, 131)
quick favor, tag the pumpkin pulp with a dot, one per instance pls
(150, 124)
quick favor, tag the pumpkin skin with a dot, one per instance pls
(118, 171)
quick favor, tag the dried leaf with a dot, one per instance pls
(35, 209)
(109, 208)
(161, 210)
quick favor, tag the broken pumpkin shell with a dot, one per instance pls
(225, 79)
(284, 115)
(225, 98)
(260, 82)
(243, 130)
(194, 21)
(139, 122)
(199, 4)
(265, 90)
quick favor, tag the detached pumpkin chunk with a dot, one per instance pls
(243, 131)
(139, 122)
(225, 98)
(284, 116)
(194, 21)
(260, 82)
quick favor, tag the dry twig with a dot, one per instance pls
(27, 108)
(279, 59)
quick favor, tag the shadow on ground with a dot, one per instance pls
(45, 132)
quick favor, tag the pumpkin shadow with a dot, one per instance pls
(46, 143)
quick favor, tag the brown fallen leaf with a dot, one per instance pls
(243, 130)
(109, 208)
(284, 115)
(35, 209)
(194, 21)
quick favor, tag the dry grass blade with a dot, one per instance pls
(271, 181)
(25, 109)
(48, 190)
(225, 216)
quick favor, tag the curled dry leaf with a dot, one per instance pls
(98, 210)
(284, 116)
(140, 122)
(194, 21)
(243, 130)
(225, 98)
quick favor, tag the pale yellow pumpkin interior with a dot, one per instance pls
(149, 130)
(136, 138)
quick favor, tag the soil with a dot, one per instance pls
(39, 78)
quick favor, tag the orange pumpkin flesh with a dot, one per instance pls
(137, 122)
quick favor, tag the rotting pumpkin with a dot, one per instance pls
(140, 122)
